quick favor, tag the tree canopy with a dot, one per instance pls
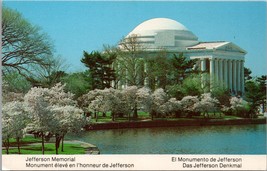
(23, 44)
(100, 67)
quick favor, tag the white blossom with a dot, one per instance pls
(188, 103)
(206, 103)
(14, 120)
(238, 104)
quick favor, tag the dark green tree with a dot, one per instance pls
(254, 96)
(78, 83)
(190, 86)
(100, 67)
(262, 81)
(16, 83)
(247, 74)
(158, 69)
(182, 67)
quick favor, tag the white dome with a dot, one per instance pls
(158, 24)
(163, 33)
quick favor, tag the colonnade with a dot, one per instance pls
(228, 71)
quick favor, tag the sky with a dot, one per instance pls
(74, 27)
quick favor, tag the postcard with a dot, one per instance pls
(133, 85)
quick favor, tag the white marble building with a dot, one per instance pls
(223, 60)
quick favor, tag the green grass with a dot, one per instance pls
(24, 141)
(231, 117)
(100, 119)
(31, 145)
(49, 149)
(145, 116)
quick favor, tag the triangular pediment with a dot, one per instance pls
(231, 47)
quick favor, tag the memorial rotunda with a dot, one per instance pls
(223, 60)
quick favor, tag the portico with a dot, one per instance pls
(226, 63)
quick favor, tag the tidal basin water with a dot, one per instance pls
(230, 139)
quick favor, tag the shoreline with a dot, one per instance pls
(174, 123)
(88, 147)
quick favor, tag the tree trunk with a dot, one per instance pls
(56, 147)
(6, 144)
(113, 116)
(58, 138)
(95, 116)
(62, 143)
(7, 150)
(42, 134)
(135, 112)
(104, 114)
(18, 142)
(152, 116)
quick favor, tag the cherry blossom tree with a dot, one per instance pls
(14, 121)
(158, 98)
(6, 131)
(96, 101)
(239, 106)
(37, 100)
(144, 98)
(188, 105)
(86, 99)
(50, 112)
(68, 119)
(130, 97)
(117, 104)
(172, 106)
(58, 96)
(98, 105)
(67, 116)
(206, 104)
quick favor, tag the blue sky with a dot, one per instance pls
(78, 26)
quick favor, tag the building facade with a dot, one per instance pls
(224, 61)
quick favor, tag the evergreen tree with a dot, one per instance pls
(247, 74)
(182, 67)
(262, 86)
(254, 96)
(100, 67)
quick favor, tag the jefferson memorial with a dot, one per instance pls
(223, 60)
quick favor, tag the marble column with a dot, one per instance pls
(203, 64)
(221, 70)
(203, 69)
(225, 76)
(216, 69)
(234, 77)
(230, 74)
(212, 71)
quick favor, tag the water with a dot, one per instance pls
(235, 139)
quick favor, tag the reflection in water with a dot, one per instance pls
(234, 139)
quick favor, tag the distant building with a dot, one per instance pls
(223, 60)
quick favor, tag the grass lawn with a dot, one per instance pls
(26, 140)
(145, 116)
(31, 145)
(141, 116)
